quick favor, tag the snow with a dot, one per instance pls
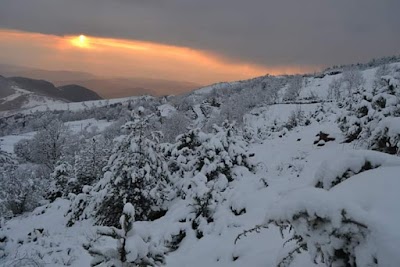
(292, 175)
(41, 103)
(57, 245)
(78, 126)
(392, 124)
(376, 192)
(17, 93)
(7, 142)
(350, 163)
(166, 110)
(208, 89)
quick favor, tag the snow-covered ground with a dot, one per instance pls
(287, 164)
(348, 192)
(78, 126)
(7, 142)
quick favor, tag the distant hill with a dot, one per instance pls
(123, 87)
(77, 93)
(49, 75)
(22, 92)
(107, 87)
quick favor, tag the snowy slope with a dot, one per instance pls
(341, 188)
(286, 164)
(52, 105)
(22, 99)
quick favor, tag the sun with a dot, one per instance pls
(81, 41)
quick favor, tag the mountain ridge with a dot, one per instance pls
(22, 92)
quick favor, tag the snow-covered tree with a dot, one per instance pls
(46, 146)
(62, 179)
(174, 125)
(91, 159)
(21, 188)
(334, 90)
(137, 173)
(354, 81)
(294, 88)
(131, 249)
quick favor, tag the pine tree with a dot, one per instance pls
(90, 161)
(62, 180)
(137, 173)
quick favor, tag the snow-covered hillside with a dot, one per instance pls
(19, 93)
(23, 99)
(307, 175)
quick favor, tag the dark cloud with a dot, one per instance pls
(278, 32)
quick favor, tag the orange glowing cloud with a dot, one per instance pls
(130, 58)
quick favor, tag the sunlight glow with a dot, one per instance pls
(80, 41)
(129, 58)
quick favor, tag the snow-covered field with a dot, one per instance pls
(7, 142)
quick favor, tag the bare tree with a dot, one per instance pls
(334, 92)
(294, 88)
(354, 80)
(46, 146)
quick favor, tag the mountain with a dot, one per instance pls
(77, 93)
(22, 92)
(125, 87)
(107, 87)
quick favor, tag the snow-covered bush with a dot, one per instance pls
(370, 116)
(202, 166)
(386, 136)
(3, 242)
(341, 167)
(337, 223)
(131, 249)
(21, 188)
(296, 118)
(332, 232)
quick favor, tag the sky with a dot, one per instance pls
(200, 41)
